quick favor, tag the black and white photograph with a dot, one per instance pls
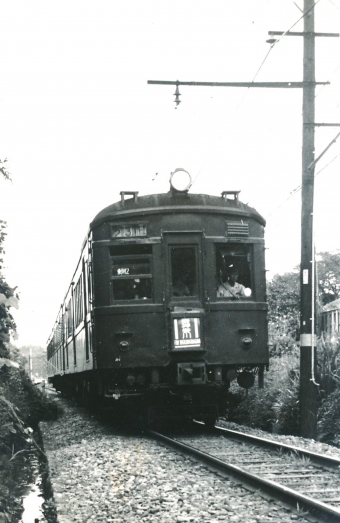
(170, 261)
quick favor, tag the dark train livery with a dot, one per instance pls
(150, 318)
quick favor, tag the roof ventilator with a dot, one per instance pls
(237, 229)
(134, 194)
(235, 194)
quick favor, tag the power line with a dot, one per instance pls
(334, 4)
(297, 189)
(259, 69)
(256, 74)
(284, 34)
(299, 8)
(277, 41)
(327, 164)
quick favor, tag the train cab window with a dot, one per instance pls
(183, 271)
(233, 271)
(131, 277)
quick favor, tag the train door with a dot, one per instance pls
(184, 290)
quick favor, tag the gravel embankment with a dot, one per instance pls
(99, 474)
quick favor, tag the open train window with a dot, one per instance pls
(183, 271)
(131, 277)
(233, 271)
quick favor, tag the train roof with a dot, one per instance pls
(170, 202)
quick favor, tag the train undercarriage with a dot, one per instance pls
(185, 391)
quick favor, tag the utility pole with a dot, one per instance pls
(308, 386)
(308, 284)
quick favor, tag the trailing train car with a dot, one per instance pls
(152, 316)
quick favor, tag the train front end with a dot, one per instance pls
(179, 308)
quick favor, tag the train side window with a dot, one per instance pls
(183, 261)
(69, 319)
(233, 271)
(131, 277)
(78, 300)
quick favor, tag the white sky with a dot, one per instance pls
(79, 124)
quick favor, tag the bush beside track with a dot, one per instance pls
(275, 408)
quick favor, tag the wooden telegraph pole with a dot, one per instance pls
(308, 386)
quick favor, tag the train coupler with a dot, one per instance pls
(191, 373)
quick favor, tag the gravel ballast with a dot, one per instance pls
(303, 443)
(100, 474)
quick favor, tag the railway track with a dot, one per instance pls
(322, 459)
(302, 479)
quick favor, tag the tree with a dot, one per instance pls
(283, 295)
(3, 169)
(328, 275)
(8, 295)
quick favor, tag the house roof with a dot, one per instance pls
(333, 305)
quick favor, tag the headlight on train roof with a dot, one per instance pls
(180, 180)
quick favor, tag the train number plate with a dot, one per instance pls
(187, 332)
(130, 230)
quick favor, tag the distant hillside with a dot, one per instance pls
(38, 360)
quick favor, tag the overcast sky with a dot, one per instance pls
(79, 124)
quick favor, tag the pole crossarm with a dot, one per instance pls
(284, 85)
(322, 124)
(302, 33)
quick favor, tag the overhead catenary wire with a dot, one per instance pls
(297, 189)
(299, 8)
(335, 157)
(284, 34)
(256, 74)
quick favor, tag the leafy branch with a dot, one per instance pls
(4, 171)
(24, 431)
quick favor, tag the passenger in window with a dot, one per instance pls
(142, 289)
(230, 288)
(123, 290)
(180, 289)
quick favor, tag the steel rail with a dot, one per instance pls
(321, 459)
(286, 494)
